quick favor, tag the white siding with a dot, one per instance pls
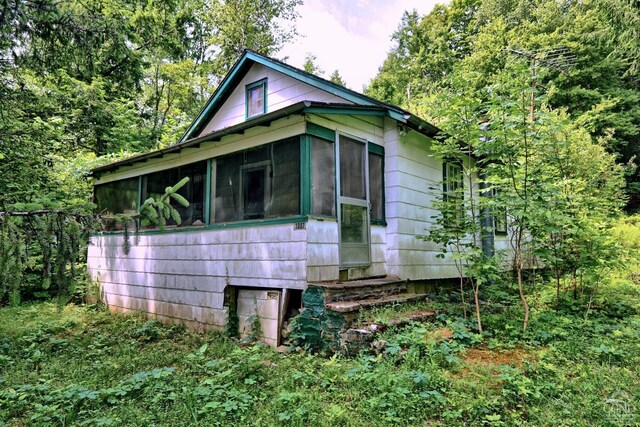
(369, 128)
(378, 250)
(322, 250)
(181, 276)
(412, 180)
(282, 91)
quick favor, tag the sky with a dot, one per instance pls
(352, 36)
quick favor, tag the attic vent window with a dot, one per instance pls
(256, 96)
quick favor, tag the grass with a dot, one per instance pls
(87, 367)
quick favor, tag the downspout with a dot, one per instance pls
(486, 218)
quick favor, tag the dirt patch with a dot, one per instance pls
(482, 365)
(441, 334)
(484, 357)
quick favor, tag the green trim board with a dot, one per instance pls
(376, 149)
(140, 192)
(247, 90)
(309, 78)
(219, 226)
(299, 108)
(246, 61)
(321, 132)
(207, 194)
(373, 111)
(305, 175)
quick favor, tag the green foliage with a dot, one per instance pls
(310, 65)
(336, 78)
(43, 243)
(560, 188)
(105, 77)
(85, 367)
(476, 40)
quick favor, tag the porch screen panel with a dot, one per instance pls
(227, 202)
(117, 197)
(155, 184)
(259, 183)
(376, 186)
(285, 194)
(352, 184)
(323, 177)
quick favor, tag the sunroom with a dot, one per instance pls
(286, 181)
(275, 203)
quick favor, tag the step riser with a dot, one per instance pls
(365, 292)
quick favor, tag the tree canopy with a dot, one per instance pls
(599, 89)
(106, 77)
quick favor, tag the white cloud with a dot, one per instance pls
(351, 36)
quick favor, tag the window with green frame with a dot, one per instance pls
(256, 98)
(453, 191)
(323, 177)
(116, 197)
(154, 185)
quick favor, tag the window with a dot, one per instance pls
(262, 182)
(256, 98)
(323, 177)
(376, 183)
(499, 216)
(154, 185)
(453, 191)
(117, 197)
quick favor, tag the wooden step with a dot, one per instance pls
(365, 289)
(351, 306)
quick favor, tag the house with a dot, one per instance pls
(293, 181)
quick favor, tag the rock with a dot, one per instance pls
(379, 345)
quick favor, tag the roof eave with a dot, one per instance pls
(193, 142)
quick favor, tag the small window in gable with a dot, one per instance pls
(256, 98)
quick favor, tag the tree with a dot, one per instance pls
(106, 76)
(310, 65)
(540, 167)
(600, 91)
(336, 78)
(42, 242)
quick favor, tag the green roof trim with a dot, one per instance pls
(249, 57)
(301, 108)
(321, 132)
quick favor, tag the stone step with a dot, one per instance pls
(357, 290)
(352, 340)
(351, 306)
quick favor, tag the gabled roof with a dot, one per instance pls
(362, 105)
(246, 61)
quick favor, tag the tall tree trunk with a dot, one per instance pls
(464, 302)
(523, 298)
(476, 291)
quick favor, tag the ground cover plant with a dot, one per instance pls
(577, 364)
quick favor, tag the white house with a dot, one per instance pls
(293, 180)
